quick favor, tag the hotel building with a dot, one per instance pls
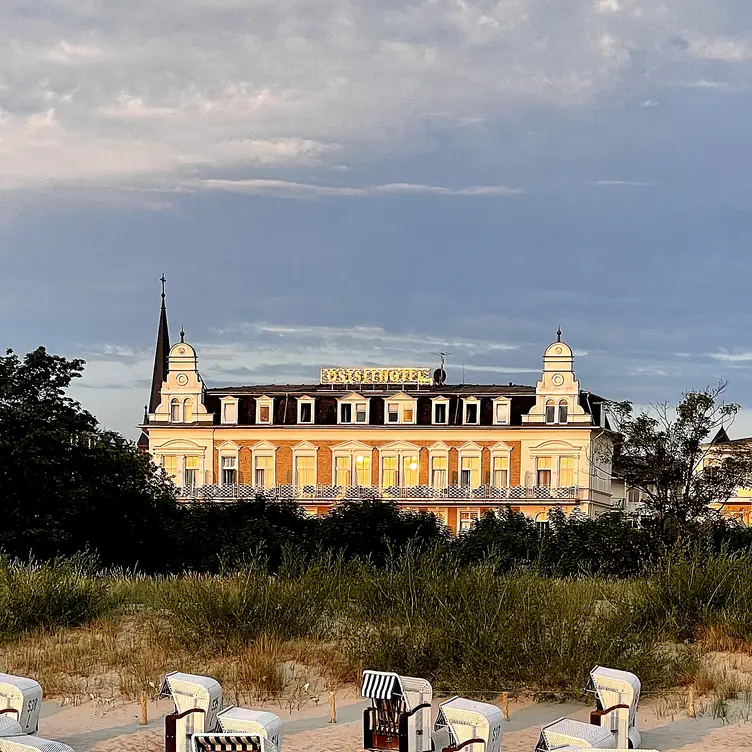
(386, 433)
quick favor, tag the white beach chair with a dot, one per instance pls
(9, 726)
(26, 743)
(254, 722)
(460, 721)
(24, 696)
(613, 688)
(399, 719)
(197, 701)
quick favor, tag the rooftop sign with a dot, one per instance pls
(398, 375)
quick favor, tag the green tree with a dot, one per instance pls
(65, 485)
(668, 454)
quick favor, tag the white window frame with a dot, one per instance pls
(353, 399)
(473, 516)
(470, 401)
(264, 401)
(352, 451)
(502, 401)
(439, 450)
(182, 448)
(555, 449)
(264, 449)
(440, 401)
(305, 400)
(228, 449)
(400, 451)
(501, 450)
(229, 402)
(473, 451)
(175, 402)
(401, 402)
(305, 449)
(559, 404)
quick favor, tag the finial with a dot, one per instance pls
(162, 279)
(182, 334)
(558, 334)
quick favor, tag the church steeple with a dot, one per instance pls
(160, 355)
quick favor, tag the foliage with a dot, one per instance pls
(65, 485)
(669, 457)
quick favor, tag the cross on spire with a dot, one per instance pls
(558, 334)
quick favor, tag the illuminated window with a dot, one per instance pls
(501, 472)
(229, 471)
(353, 466)
(305, 471)
(410, 470)
(342, 471)
(470, 472)
(408, 415)
(389, 472)
(170, 465)
(363, 469)
(566, 471)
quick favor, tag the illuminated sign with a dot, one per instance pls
(376, 376)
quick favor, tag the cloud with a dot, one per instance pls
(732, 357)
(618, 182)
(158, 92)
(289, 189)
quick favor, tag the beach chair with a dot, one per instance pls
(197, 701)
(10, 726)
(399, 718)
(219, 742)
(21, 700)
(566, 735)
(255, 722)
(467, 725)
(27, 743)
(617, 694)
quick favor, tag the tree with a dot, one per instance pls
(669, 456)
(65, 485)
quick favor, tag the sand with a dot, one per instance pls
(94, 727)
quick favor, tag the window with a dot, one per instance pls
(229, 471)
(408, 415)
(305, 471)
(400, 409)
(343, 471)
(563, 411)
(501, 412)
(440, 413)
(360, 412)
(471, 412)
(550, 412)
(345, 413)
(305, 410)
(470, 472)
(466, 520)
(541, 526)
(190, 474)
(175, 411)
(170, 465)
(264, 407)
(188, 411)
(543, 471)
(263, 474)
(389, 472)
(393, 414)
(438, 472)
(349, 409)
(566, 472)
(410, 470)
(500, 472)
(228, 413)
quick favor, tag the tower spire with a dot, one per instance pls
(558, 334)
(160, 355)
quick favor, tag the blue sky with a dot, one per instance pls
(351, 182)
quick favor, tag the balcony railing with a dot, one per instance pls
(353, 493)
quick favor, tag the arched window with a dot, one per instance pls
(175, 411)
(563, 411)
(188, 411)
(550, 412)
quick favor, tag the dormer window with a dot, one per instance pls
(501, 411)
(557, 413)
(471, 411)
(229, 411)
(400, 410)
(440, 411)
(353, 409)
(264, 407)
(305, 410)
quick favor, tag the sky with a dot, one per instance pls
(350, 182)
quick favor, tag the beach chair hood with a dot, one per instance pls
(24, 695)
(566, 733)
(467, 719)
(31, 744)
(255, 722)
(219, 742)
(384, 685)
(192, 691)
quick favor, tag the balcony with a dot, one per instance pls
(329, 494)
